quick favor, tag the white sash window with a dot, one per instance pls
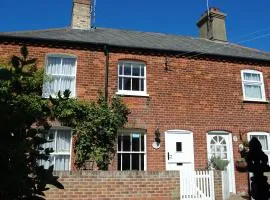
(253, 85)
(61, 75)
(60, 142)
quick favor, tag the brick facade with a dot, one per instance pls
(199, 95)
(117, 185)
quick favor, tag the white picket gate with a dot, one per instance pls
(196, 185)
(225, 185)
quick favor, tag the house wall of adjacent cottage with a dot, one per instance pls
(199, 95)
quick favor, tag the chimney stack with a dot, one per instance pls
(212, 25)
(81, 14)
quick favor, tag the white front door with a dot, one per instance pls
(179, 152)
(219, 144)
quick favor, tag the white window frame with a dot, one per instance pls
(72, 94)
(131, 92)
(257, 83)
(53, 154)
(130, 132)
(261, 134)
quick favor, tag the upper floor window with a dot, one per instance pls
(60, 141)
(131, 78)
(61, 75)
(253, 85)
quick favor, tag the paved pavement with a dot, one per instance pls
(239, 197)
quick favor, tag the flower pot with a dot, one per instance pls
(241, 166)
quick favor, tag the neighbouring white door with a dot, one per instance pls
(219, 144)
(179, 152)
(264, 139)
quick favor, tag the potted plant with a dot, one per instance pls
(218, 163)
(241, 165)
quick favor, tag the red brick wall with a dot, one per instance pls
(195, 94)
(117, 185)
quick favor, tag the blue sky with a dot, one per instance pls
(171, 16)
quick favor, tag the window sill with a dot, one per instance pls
(255, 101)
(130, 94)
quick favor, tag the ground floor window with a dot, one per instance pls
(264, 139)
(60, 141)
(131, 150)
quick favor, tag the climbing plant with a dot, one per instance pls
(94, 125)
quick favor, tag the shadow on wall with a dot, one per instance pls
(257, 162)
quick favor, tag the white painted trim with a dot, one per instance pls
(261, 83)
(132, 92)
(179, 131)
(230, 144)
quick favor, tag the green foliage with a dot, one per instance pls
(218, 163)
(95, 126)
(22, 111)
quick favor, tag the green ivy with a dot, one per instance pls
(95, 126)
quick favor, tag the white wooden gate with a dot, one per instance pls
(197, 185)
(225, 185)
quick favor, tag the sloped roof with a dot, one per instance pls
(143, 40)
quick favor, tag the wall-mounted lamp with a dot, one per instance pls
(156, 143)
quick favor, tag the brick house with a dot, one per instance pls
(200, 94)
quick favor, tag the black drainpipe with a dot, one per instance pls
(107, 54)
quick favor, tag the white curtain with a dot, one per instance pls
(60, 142)
(63, 141)
(252, 85)
(61, 72)
(61, 162)
(253, 91)
(252, 77)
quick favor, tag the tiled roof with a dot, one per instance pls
(143, 40)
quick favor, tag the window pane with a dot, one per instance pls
(68, 66)
(126, 143)
(253, 91)
(63, 141)
(119, 161)
(120, 69)
(263, 141)
(120, 83)
(142, 85)
(61, 162)
(142, 70)
(53, 65)
(127, 83)
(135, 161)
(136, 70)
(142, 161)
(47, 163)
(135, 84)
(136, 143)
(127, 69)
(119, 148)
(252, 77)
(142, 142)
(125, 161)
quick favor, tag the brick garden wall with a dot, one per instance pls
(126, 185)
(199, 95)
